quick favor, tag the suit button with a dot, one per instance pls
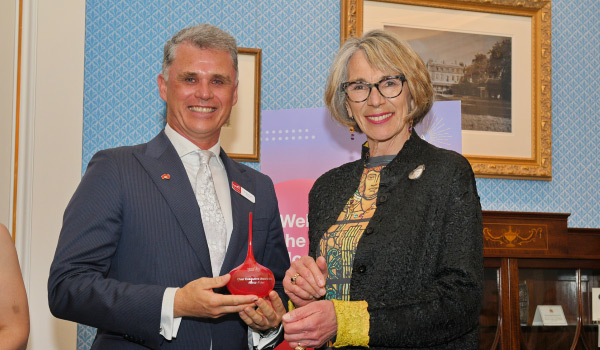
(383, 197)
(369, 231)
(361, 268)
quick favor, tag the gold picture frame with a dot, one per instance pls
(240, 135)
(536, 163)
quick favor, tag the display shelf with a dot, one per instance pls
(533, 259)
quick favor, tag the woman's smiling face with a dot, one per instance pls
(384, 121)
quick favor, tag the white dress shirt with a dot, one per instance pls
(187, 151)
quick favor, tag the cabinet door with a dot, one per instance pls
(488, 320)
(590, 298)
(556, 290)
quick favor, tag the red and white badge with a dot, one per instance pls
(239, 189)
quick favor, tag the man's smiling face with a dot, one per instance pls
(200, 91)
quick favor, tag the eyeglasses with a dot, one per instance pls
(388, 87)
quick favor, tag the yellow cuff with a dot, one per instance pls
(352, 323)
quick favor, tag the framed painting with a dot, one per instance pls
(240, 135)
(491, 55)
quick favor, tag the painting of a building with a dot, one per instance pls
(445, 75)
(474, 68)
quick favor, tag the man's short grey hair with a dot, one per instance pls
(202, 36)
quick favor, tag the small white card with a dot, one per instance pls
(549, 315)
(596, 305)
(239, 189)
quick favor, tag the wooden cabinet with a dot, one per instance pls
(534, 259)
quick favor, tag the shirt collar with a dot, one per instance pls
(184, 146)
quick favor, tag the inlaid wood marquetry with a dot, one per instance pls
(518, 236)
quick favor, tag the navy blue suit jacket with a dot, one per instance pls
(128, 233)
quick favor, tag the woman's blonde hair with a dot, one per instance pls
(387, 53)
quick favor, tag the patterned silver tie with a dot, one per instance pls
(212, 216)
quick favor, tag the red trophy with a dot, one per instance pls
(251, 277)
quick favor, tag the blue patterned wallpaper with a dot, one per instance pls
(575, 125)
(123, 50)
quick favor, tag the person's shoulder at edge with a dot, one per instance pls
(14, 311)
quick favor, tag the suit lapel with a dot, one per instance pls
(160, 158)
(240, 207)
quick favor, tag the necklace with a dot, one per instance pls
(358, 200)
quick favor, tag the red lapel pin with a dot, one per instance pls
(236, 187)
(166, 176)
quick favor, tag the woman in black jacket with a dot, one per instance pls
(396, 253)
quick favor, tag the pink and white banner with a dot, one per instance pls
(298, 145)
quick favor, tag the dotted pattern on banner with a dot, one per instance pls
(123, 54)
(287, 135)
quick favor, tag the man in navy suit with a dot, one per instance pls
(134, 257)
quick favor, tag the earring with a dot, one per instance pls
(410, 127)
(351, 129)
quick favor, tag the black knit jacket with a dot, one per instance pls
(419, 263)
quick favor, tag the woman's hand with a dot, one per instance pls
(304, 282)
(312, 325)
